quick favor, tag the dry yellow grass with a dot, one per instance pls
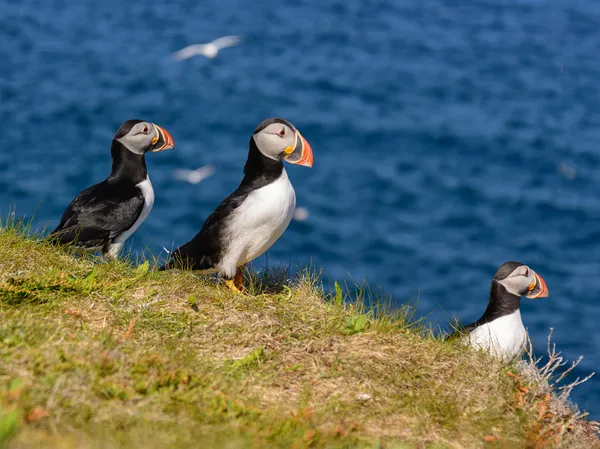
(96, 354)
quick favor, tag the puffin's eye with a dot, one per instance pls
(526, 274)
(145, 130)
(281, 133)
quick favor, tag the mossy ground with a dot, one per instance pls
(109, 354)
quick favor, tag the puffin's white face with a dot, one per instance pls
(140, 137)
(281, 141)
(524, 281)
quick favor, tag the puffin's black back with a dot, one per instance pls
(99, 214)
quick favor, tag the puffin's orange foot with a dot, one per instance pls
(231, 284)
(236, 284)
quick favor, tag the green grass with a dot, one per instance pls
(105, 354)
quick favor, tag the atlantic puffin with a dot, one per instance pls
(104, 215)
(256, 214)
(500, 330)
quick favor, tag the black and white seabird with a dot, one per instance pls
(256, 214)
(103, 216)
(500, 330)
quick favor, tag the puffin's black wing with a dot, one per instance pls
(205, 250)
(99, 214)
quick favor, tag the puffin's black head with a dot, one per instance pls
(278, 139)
(518, 279)
(139, 137)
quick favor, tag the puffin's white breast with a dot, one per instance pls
(258, 222)
(504, 337)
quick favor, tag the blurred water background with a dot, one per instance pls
(449, 137)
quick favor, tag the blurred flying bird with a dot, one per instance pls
(566, 171)
(194, 176)
(301, 214)
(210, 50)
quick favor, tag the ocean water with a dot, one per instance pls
(449, 137)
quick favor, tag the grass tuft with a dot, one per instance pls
(97, 353)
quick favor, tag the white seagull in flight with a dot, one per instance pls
(209, 50)
(194, 176)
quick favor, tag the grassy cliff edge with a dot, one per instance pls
(106, 354)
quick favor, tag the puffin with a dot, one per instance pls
(103, 216)
(500, 330)
(256, 214)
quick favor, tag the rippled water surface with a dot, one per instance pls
(449, 137)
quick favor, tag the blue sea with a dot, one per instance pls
(448, 136)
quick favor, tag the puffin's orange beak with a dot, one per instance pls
(164, 141)
(302, 153)
(538, 288)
